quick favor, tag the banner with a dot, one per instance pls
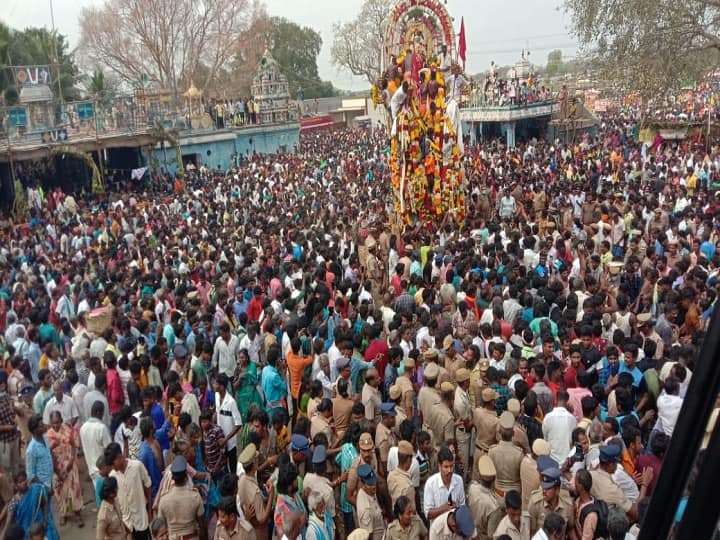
(137, 174)
(32, 75)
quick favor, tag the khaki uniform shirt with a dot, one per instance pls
(110, 523)
(181, 507)
(353, 482)
(605, 488)
(476, 386)
(249, 494)
(538, 508)
(507, 527)
(506, 457)
(486, 424)
(384, 440)
(342, 411)
(399, 484)
(427, 399)
(529, 479)
(486, 508)
(520, 438)
(442, 423)
(401, 416)
(439, 529)
(407, 394)
(238, 533)
(369, 514)
(415, 530)
(452, 367)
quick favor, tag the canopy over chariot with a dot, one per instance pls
(420, 86)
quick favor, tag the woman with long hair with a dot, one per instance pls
(245, 384)
(64, 443)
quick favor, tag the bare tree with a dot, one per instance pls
(648, 46)
(166, 41)
(357, 44)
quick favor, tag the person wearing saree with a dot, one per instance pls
(289, 502)
(110, 525)
(64, 443)
(31, 504)
(245, 384)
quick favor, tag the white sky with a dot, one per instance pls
(495, 29)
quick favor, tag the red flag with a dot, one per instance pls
(462, 46)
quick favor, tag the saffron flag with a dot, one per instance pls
(462, 46)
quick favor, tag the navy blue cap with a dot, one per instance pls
(319, 455)
(550, 478)
(546, 462)
(464, 521)
(366, 474)
(388, 408)
(610, 453)
(180, 350)
(300, 443)
(179, 465)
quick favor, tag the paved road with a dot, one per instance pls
(89, 512)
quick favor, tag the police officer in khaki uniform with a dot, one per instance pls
(453, 361)
(367, 456)
(370, 516)
(384, 436)
(605, 488)
(399, 482)
(485, 421)
(506, 457)
(550, 498)
(407, 525)
(250, 496)
(486, 506)
(478, 381)
(520, 437)
(428, 397)
(432, 357)
(442, 419)
(395, 394)
(463, 410)
(182, 506)
(529, 475)
(407, 392)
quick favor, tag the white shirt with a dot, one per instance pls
(414, 471)
(224, 355)
(131, 495)
(94, 437)
(78, 395)
(436, 494)
(252, 346)
(557, 427)
(228, 417)
(668, 411)
(67, 408)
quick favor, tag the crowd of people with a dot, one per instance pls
(516, 88)
(262, 354)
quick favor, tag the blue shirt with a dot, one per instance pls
(357, 365)
(273, 386)
(157, 415)
(38, 461)
(147, 458)
(98, 489)
(635, 372)
(32, 355)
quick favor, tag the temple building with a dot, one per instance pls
(270, 93)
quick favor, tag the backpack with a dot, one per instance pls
(600, 507)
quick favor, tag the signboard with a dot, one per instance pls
(54, 136)
(506, 114)
(17, 117)
(32, 75)
(86, 110)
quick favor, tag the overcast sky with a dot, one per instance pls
(495, 29)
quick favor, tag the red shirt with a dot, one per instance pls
(378, 347)
(115, 394)
(254, 308)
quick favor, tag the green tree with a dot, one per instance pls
(648, 46)
(295, 49)
(36, 46)
(101, 87)
(554, 63)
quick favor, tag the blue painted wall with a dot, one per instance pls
(213, 148)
